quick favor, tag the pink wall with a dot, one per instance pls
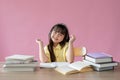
(96, 24)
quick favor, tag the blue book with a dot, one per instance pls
(99, 57)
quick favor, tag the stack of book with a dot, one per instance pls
(20, 63)
(100, 61)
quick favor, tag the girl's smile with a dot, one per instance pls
(57, 37)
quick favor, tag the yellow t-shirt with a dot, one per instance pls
(60, 54)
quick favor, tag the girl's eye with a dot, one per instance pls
(60, 34)
(54, 32)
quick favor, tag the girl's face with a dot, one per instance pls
(57, 37)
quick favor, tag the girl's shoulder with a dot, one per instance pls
(66, 44)
(46, 47)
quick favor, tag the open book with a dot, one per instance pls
(53, 64)
(75, 67)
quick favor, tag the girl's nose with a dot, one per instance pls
(57, 35)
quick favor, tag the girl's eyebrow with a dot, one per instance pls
(59, 31)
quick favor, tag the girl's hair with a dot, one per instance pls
(61, 28)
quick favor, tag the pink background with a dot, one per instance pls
(96, 24)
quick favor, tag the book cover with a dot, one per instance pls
(75, 67)
(101, 65)
(99, 55)
(18, 61)
(9, 69)
(32, 64)
(19, 57)
(103, 69)
(98, 60)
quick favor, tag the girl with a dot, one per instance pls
(60, 47)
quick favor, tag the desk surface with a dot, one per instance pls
(51, 74)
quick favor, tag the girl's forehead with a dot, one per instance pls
(56, 32)
(59, 30)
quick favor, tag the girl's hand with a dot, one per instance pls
(39, 41)
(72, 38)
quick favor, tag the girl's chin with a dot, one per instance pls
(55, 41)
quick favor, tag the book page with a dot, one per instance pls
(74, 67)
(66, 69)
(53, 64)
(47, 65)
(79, 65)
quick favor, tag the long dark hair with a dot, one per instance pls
(61, 28)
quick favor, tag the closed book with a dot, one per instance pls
(101, 65)
(18, 61)
(74, 67)
(53, 64)
(16, 69)
(103, 68)
(19, 58)
(32, 64)
(98, 57)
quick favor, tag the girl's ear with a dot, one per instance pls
(49, 34)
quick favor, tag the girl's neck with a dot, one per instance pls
(55, 44)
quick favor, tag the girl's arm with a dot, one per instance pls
(42, 56)
(70, 52)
